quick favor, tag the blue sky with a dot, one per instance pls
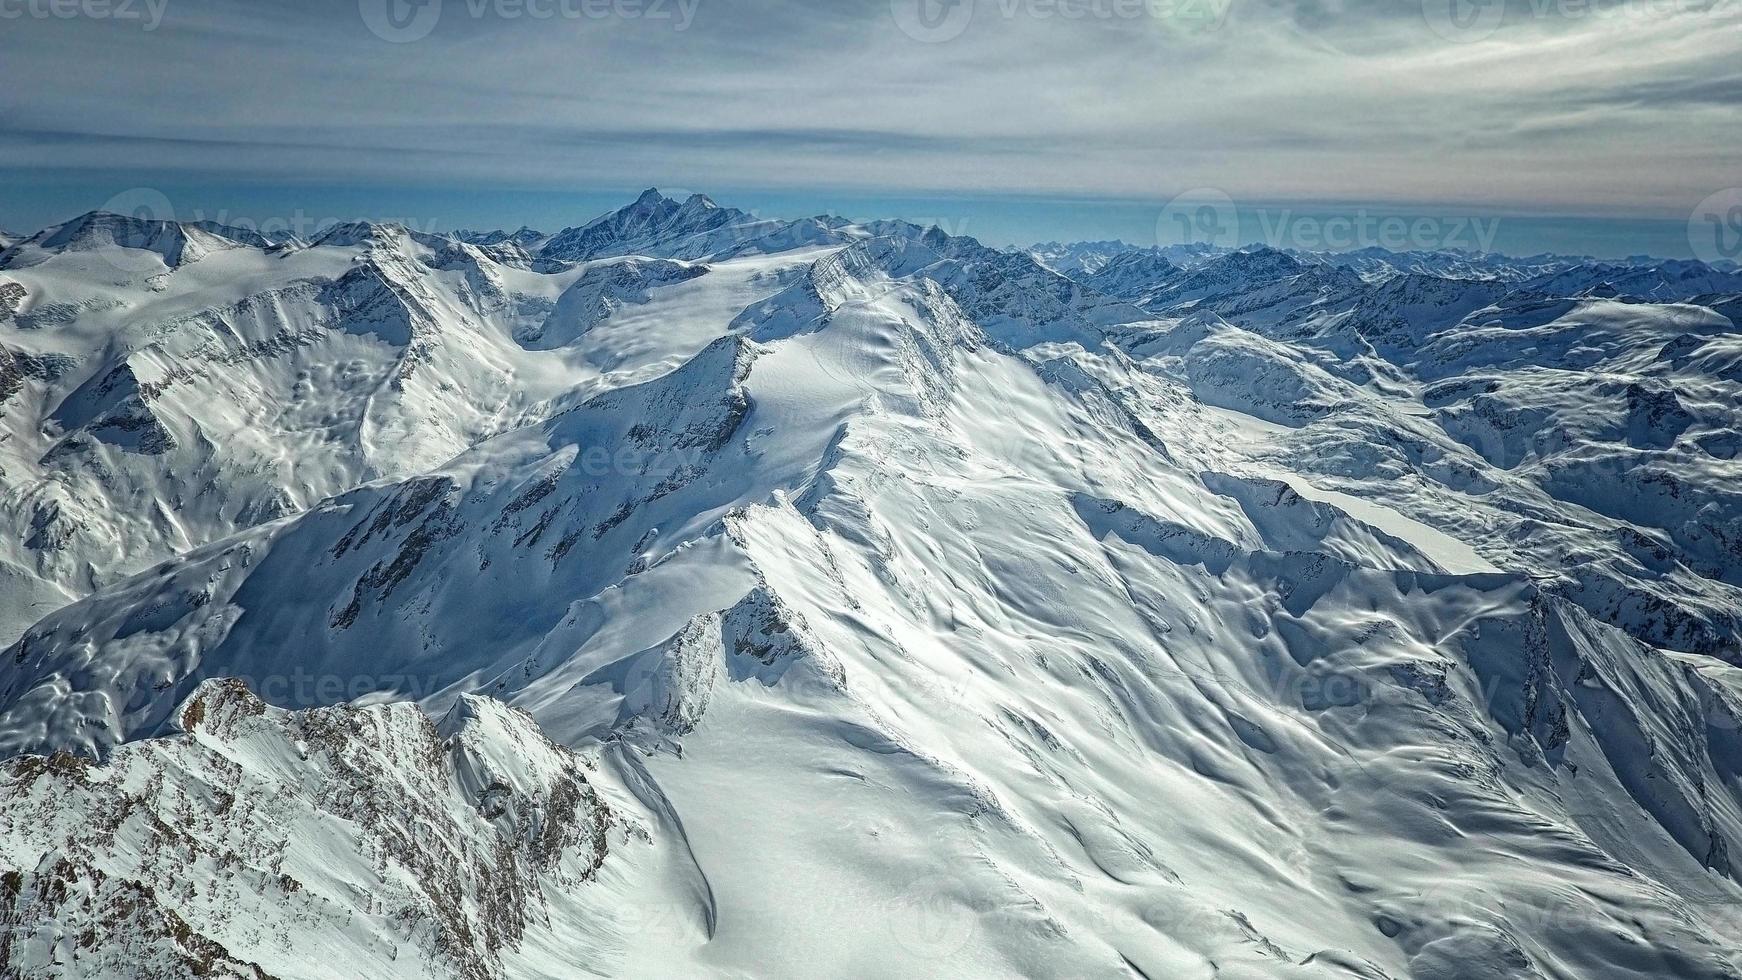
(1572, 125)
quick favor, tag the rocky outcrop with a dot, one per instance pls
(387, 844)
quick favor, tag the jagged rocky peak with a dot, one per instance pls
(764, 638)
(12, 295)
(384, 235)
(695, 228)
(1138, 262)
(385, 844)
(11, 376)
(697, 407)
(1259, 260)
(1132, 274)
(1077, 258)
(695, 204)
(760, 639)
(525, 237)
(650, 219)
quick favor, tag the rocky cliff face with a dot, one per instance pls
(266, 843)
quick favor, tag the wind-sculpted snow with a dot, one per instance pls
(1572, 426)
(1250, 374)
(600, 292)
(896, 606)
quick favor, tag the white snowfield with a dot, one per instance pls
(811, 598)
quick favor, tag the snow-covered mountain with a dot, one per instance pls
(1671, 281)
(1087, 258)
(1133, 275)
(659, 226)
(524, 237)
(1642, 276)
(815, 598)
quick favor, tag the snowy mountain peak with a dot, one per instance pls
(1260, 260)
(175, 243)
(653, 224)
(524, 237)
(376, 234)
(1132, 275)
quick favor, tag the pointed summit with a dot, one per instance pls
(655, 225)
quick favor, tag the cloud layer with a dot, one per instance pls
(1625, 107)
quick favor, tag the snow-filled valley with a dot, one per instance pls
(689, 593)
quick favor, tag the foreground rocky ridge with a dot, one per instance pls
(265, 843)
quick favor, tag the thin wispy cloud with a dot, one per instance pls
(1621, 107)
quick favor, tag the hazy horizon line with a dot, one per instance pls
(1309, 225)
